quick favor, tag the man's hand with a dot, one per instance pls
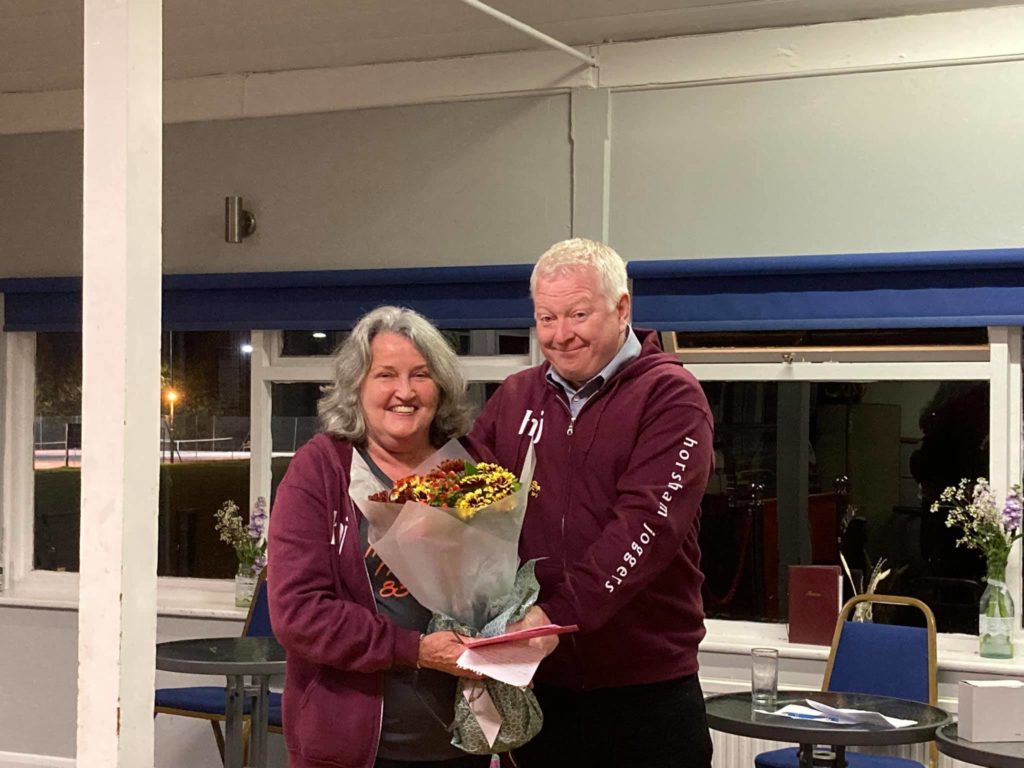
(535, 617)
(440, 651)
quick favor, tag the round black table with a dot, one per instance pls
(994, 754)
(733, 713)
(235, 658)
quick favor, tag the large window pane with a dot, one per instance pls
(294, 420)
(203, 449)
(798, 464)
(57, 451)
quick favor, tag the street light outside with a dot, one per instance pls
(171, 396)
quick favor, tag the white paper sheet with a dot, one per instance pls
(823, 713)
(512, 663)
(483, 709)
(860, 716)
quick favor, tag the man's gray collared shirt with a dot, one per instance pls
(579, 397)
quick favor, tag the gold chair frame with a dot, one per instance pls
(913, 602)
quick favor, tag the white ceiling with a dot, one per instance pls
(41, 40)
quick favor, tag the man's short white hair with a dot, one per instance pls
(577, 254)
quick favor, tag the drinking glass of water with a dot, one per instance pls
(764, 677)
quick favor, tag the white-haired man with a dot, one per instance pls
(623, 436)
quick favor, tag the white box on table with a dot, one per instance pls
(991, 710)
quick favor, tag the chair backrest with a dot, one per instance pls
(257, 623)
(883, 659)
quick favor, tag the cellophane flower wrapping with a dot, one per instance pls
(467, 573)
(462, 569)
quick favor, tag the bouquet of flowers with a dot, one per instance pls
(458, 485)
(983, 525)
(249, 540)
(450, 533)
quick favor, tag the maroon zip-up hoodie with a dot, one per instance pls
(617, 518)
(323, 612)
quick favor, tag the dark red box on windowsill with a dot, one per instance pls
(815, 597)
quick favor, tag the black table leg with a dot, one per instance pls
(812, 756)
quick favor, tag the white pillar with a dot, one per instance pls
(260, 434)
(120, 382)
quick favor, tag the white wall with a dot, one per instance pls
(885, 161)
(464, 183)
(41, 204)
(39, 678)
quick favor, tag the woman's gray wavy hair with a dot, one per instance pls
(340, 412)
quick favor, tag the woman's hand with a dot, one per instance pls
(440, 651)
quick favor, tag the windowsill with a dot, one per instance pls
(957, 653)
(214, 599)
(184, 598)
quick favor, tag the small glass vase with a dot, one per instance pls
(245, 587)
(996, 615)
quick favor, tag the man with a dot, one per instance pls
(623, 438)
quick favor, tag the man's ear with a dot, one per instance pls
(622, 310)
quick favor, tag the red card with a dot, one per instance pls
(522, 634)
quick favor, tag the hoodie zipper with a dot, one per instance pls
(569, 433)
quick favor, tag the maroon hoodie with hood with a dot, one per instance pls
(323, 611)
(617, 517)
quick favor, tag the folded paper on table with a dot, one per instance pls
(800, 712)
(522, 634)
(859, 716)
(822, 713)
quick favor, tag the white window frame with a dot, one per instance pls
(1000, 365)
(212, 597)
(270, 366)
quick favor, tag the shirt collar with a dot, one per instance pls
(629, 350)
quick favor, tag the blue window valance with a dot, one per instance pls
(452, 297)
(925, 289)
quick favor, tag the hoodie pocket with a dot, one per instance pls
(339, 719)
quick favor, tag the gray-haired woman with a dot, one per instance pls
(365, 687)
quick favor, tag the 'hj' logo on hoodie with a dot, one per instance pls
(532, 426)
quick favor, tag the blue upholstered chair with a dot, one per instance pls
(879, 659)
(206, 702)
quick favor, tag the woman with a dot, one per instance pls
(365, 687)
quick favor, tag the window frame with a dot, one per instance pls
(211, 597)
(27, 586)
(1001, 367)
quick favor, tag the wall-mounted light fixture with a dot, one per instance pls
(238, 222)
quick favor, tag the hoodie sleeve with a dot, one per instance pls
(309, 616)
(654, 512)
